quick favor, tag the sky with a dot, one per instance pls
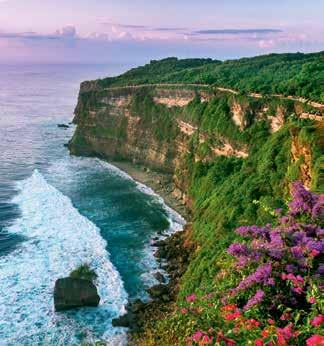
(135, 31)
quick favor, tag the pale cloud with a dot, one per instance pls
(68, 31)
(115, 42)
(236, 31)
(266, 44)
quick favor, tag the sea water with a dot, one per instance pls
(59, 211)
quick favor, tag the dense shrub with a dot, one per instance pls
(271, 294)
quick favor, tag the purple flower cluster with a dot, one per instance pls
(290, 250)
(305, 202)
(260, 276)
(255, 300)
(253, 231)
(243, 254)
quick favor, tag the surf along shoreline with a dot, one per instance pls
(171, 251)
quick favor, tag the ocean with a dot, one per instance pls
(58, 211)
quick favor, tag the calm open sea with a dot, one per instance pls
(58, 211)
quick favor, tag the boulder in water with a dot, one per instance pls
(63, 126)
(159, 277)
(70, 293)
(158, 291)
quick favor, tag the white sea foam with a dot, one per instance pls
(176, 224)
(58, 239)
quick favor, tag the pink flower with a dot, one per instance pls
(259, 342)
(298, 290)
(251, 324)
(286, 333)
(207, 340)
(314, 253)
(285, 317)
(184, 311)
(191, 298)
(233, 316)
(229, 342)
(312, 300)
(317, 321)
(197, 336)
(315, 340)
(300, 279)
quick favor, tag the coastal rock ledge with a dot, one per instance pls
(70, 293)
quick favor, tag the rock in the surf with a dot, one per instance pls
(158, 291)
(70, 293)
(63, 126)
(159, 277)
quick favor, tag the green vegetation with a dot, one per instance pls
(226, 191)
(288, 74)
(154, 71)
(84, 272)
(156, 118)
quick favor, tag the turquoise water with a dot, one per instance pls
(58, 211)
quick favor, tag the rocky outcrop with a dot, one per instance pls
(176, 251)
(71, 293)
(239, 114)
(63, 126)
(278, 120)
(151, 125)
(301, 152)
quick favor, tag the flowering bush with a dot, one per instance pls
(287, 254)
(278, 299)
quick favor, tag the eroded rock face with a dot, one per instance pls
(238, 115)
(300, 151)
(131, 123)
(278, 120)
(72, 293)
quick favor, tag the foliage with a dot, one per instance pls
(151, 72)
(228, 192)
(270, 295)
(159, 120)
(288, 74)
(84, 272)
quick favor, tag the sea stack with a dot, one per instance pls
(72, 293)
(76, 291)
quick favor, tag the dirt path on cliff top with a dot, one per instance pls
(314, 104)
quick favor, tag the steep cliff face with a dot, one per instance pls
(111, 124)
(161, 126)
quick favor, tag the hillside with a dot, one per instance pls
(233, 158)
(300, 75)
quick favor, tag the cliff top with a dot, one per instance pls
(294, 74)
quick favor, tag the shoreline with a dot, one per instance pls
(170, 252)
(160, 183)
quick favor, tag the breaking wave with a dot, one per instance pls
(58, 239)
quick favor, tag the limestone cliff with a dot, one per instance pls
(161, 125)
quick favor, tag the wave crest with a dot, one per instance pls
(59, 239)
